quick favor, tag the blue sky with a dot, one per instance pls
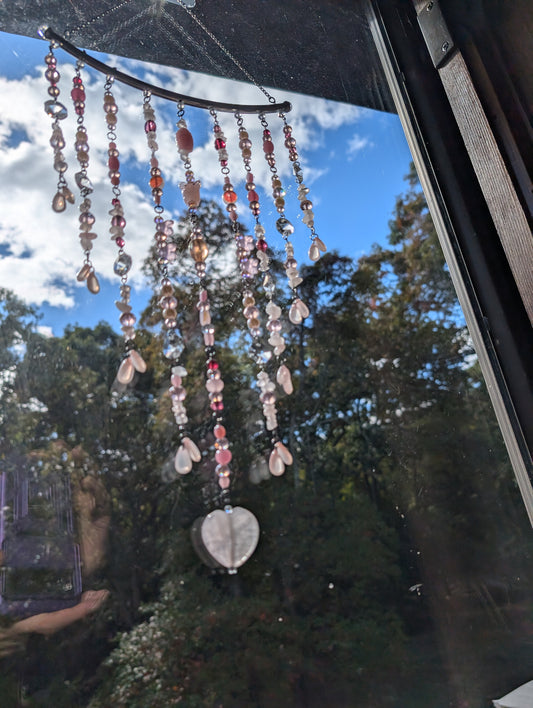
(354, 161)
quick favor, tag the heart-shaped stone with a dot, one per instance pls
(230, 536)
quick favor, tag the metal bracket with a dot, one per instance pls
(436, 33)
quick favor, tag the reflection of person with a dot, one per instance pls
(92, 507)
(49, 622)
(13, 638)
(91, 501)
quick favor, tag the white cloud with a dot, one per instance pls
(45, 331)
(42, 250)
(356, 144)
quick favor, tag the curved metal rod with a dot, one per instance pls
(49, 33)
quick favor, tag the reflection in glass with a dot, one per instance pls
(393, 564)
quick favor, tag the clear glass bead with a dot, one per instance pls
(55, 109)
(122, 265)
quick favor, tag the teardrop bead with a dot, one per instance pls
(83, 273)
(192, 449)
(137, 361)
(276, 464)
(284, 453)
(182, 461)
(295, 316)
(58, 203)
(302, 308)
(283, 377)
(69, 196)
(314, 252)
(321, 245)
(93, 286)
(126, 370)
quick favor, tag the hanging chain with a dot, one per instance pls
(226, 51)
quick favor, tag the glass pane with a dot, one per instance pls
(392, 567)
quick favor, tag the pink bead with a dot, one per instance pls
(175, 380)
(220, 144)
(223, 482)
(249, 177)
(253, 196)
(154, 162)
(113, 163)
(184, 140)
(268, 146)
(149, 126)
(223, 457)
(77, 94)
(204, 295)
(120, 242)
(219, 431)
(261, 245)
(209, 340)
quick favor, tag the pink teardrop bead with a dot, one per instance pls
(276, 464)
(284, 453)
(126, 371)
(223, 482)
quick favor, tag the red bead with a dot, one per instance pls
(261, 245)
(220, 144)
(229, 197)
(113, 163)
(120, 242)
(77, 94)
(212, 365)
(219, 431)
(115, 181)
(253, 196)
(77, 80)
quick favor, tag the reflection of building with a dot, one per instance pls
(41, 568)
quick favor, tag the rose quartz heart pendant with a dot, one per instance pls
(230, 536)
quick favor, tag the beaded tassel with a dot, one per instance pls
(248, 266)
(306, 205)
(187, 451)
(58, 112)
(298, 310)
(132, 361)
(199, 251)
(87, 235)
(273, 325)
